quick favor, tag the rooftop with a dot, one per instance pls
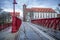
(41, 10)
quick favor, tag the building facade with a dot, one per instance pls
(17, 14)
(38, 13)
(58, 15)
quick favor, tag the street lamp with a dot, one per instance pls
(13, 17)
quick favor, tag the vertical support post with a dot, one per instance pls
(13, 18)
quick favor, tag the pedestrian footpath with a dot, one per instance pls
(28, 32)
(54, 33)
(7, 35)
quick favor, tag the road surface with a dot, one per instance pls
(29, 31)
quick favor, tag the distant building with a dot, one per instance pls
(16, 14)
(4, 17)
(58, 15)
(38, 13)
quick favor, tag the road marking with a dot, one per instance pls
(44, 34)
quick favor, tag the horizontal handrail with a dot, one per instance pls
(53, 23)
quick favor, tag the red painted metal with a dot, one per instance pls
(16, 22)
(2, 27)
(49, 22)
(16, 25)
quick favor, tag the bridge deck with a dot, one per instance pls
(29, 31)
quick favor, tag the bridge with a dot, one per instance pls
(53, 23)
(43, 25)
(30, 31)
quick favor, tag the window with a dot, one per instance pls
(55, 15)
(39, 15)
(44, 15)
(47, 15)
(34, 15)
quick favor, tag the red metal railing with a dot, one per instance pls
(49, 22)
(5, 26)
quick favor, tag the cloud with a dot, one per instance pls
(7, 5)
(17, 10)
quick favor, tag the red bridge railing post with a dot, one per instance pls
(53, 23)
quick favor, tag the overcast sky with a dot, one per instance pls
(8, 6)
